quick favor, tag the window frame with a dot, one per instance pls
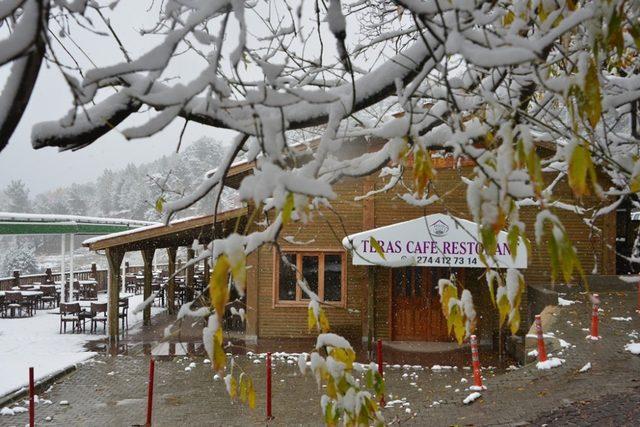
(320, 253)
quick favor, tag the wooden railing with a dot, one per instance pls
(100, 276)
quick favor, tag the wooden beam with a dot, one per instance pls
(147, 260)
(157, 232)
(114, 257)
(171, 284)
(189, 278)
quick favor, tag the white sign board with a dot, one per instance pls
(436, 240)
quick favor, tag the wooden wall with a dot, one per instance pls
(388, 208)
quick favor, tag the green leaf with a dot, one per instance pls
(375, 245)
(489, 240)
(554, 254)
(615, 40)
(512, 240)
(287, 209)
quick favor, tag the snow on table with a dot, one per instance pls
(35, 341)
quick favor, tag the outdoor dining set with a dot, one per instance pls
(24, 300)
(134, 283)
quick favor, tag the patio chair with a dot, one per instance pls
(130, 283)
(13, 303)
(49, 295)
(123, 312)
(99, 315)
(70, 313)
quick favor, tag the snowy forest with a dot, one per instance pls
(129, 193)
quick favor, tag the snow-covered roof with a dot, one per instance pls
(635, 216)
(70, 219)
(161, 235)
(14, 224)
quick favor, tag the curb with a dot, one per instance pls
(18, 393)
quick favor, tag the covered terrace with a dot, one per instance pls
(147, 240)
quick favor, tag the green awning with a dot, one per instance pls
(22, 228)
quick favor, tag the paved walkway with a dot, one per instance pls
(111, 390)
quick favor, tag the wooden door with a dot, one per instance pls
(416, 314)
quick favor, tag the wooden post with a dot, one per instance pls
(65, 290)
(94, 271)
(16, 277)
(114, 256)
(72, 241)
(251, 328)
(147, 259)
(369, 222)
(371, 302)
(205, 276)
(190, 275)
(171, 284)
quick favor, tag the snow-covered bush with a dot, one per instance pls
(18, 256)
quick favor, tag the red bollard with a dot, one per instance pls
(595, 318)
(542, 352)
(380, 370)
(475, 361)
(269, 414)
(150, 392)
(32, 392)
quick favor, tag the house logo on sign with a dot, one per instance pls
(439, 228)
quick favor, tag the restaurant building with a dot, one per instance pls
(366, 301)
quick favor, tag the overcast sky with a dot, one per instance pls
(47, 169)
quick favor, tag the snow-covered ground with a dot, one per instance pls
(35, 341)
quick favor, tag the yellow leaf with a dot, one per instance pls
(239, 272)
(251, 395)
(324, 321)
(375, 245)
(449, 291)
(218, 288)
(503, 308)
(580, 165)
(287, 209)
(515, 321)
(242, 395)
(344, 355)
(233, 388)
(422, 170)
(508, 18)
(592, 105)
(311, 319)
(160, 203)
(219, 356)
(634, 185)
(332, 391)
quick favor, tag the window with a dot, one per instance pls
(322, 270)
